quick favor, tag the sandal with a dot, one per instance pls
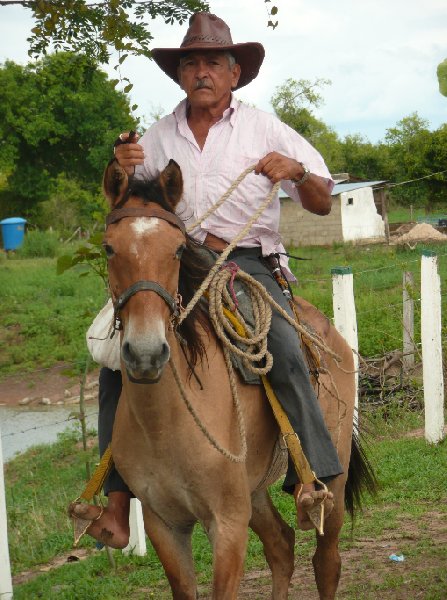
(80, 525)
(316, 513)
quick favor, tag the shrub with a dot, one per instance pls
(39, 244)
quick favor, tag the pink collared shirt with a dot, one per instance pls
(240, 139)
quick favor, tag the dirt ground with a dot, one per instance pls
(365, 567)
(365, 564)
(52, 383)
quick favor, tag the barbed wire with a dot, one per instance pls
(393, 185)
(360, 313)
(76, 417)
(328, 278)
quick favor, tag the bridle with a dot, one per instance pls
(144, 285)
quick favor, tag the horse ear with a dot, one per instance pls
(171, 182)
(114, 182)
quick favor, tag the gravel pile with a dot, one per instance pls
(423, 232)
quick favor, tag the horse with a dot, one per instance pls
(164, 457)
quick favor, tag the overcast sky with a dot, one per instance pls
(381, 56)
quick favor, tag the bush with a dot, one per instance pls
(39, 244)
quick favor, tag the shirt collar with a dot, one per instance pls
(229, 113)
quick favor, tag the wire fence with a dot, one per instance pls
(392, 309)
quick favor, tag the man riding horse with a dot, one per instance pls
(214, 137)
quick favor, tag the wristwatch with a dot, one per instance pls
(304, 178)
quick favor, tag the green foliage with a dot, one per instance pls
(363, 159)
(70, 206)
(96, 28)
(64, 126)
(442, 77)
(39, 244)
(416, 152)
(90, 256)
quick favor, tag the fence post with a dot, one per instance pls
(137, 538)
(345, 319)
(408, 322)
(5, 566)
(432, 347)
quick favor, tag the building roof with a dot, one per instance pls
(339, 188)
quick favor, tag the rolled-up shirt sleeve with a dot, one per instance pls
(287, 141)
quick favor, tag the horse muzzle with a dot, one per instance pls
(143, 364)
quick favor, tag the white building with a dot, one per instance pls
(356, 215)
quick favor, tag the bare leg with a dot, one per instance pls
(278, 540)
(112, 526)
(306, 497)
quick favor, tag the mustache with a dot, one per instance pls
(202, 83)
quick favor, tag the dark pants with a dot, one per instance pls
(289, 378)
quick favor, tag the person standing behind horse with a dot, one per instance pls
(214, 137)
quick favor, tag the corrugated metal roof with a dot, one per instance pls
(348, 187)
(339, 188)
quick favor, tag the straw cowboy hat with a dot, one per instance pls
(208, 32)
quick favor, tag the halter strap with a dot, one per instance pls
(146, 285)
(145, 211)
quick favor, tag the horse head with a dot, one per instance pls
(144, 241)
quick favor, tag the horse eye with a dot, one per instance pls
(178, 254)
(108, 250)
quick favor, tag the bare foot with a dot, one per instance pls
(306, 498)
(110, 525)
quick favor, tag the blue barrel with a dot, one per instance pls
(13, 232)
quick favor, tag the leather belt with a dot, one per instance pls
(215, 243)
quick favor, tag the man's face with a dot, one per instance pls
(207, 78)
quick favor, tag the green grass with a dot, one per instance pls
(44, 316)
(411, 500)
(378, 272)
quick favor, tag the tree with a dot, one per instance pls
(416, 152)
(97, 28)
(442, 77)
(363, 159)
(293, 103)
(57, 116)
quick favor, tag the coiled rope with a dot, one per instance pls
(231, 328)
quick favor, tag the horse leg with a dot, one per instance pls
(173, 547)
(229, 539)
(278, 540)
(326, 560)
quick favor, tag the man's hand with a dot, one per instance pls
(129, 154)
(314, 194)
(276, 167)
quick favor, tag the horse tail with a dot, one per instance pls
(361, 476)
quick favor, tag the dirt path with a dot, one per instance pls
(53, 383)
(367, 572)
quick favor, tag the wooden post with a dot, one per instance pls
(432, 347)
(137, 538)
(384, 202)
(408, 322)
(5, 566)
(345, 319)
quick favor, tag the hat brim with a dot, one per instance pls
(249, 56)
